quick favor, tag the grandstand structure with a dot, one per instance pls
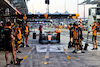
(21, 5)
(67, 19)
(10, 7)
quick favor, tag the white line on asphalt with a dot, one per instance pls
(31, 50)
(27, 56)
(47, 52)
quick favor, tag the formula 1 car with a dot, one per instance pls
(49, 37)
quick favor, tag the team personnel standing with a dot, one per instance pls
(9, 42)
(1, 30)
(22, 33)
(94, 36)
(40, 29)
(75, 37)
(71, 32)
(17, 34)
(26, 33)
(1, 35)
(80, 37)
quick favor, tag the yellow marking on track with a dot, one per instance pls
(31, 50)
(45, 62)
(25, 57)
(46, 56)
(68, 57)
(73, 58)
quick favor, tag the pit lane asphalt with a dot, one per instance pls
(60, 59)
